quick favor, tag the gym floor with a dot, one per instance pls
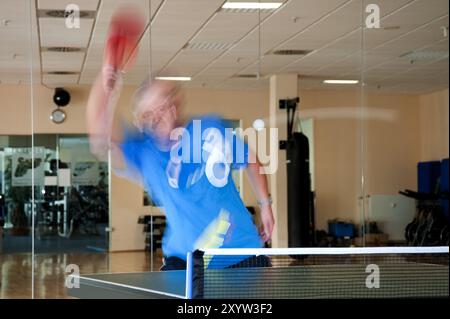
(50, 270)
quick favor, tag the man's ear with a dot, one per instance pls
(173, 110)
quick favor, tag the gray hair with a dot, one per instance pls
(139, 93)
(147, 84)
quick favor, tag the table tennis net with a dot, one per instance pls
(323, 273)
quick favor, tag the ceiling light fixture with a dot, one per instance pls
(252, 5)
(173, 78)
(340, 81)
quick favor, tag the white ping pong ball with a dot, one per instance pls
(258, 124)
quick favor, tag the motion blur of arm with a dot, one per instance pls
(125, 28)
(259, 185)
(102, 101)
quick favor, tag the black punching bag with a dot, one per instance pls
(300, 228)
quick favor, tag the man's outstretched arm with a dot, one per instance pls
(104, 136)
(259, 185)
(121, 49)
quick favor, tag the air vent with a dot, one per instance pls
(291, 52)
(62, 49)
(207, 46)
(424, 55)
(62, 73)
(391, 28)
(63, 14)
(246, 76)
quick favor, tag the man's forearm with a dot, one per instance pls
(259, 185)
(258, 181)
(100, 114)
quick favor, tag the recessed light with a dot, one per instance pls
(252, 5)
(340, 81)
(173, 78)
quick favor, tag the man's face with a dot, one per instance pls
(157, 110)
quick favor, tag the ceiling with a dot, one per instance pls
(196, 38)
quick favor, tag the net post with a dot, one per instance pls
(189, 270)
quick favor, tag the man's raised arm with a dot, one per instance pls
(100, 113)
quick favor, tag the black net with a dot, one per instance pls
(321, 276)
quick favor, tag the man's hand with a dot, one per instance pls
(267, 223)
(112, 78)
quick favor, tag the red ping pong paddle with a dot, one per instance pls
(125, 29)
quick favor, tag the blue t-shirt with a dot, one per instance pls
(193, 183)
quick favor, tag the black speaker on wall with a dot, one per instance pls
(61, 97)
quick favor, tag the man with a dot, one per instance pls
(185, 167)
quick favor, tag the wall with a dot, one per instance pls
(16, 110)
(434, 126)
(385, 141)
(391, 148)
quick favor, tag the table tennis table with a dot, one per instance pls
(141, 285)
(311, 282)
